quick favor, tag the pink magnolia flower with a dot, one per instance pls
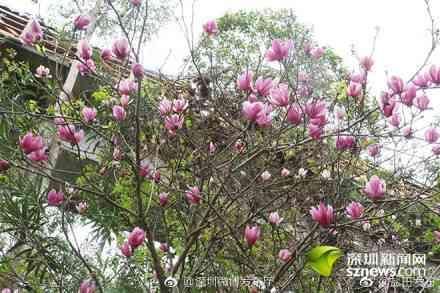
(358, 77)
(354, 210)
(30, 143)
(315, 131)
(284, 255)
(127, 87)
(251, 110)
(434, 72)
(422, 102)
(387, 104)
(119, 113)
(173, 123)
(38, 155)
(339, 112)
(84, 50)
(408, 95)
(422, 79)
(244, 81)
(126, 249)
(432, 135)
(345, 142)
(86, 67)
(120, 48)
(375, 188)
(212, 148)
(165, 107)
(437, 235)
(145, 170)
(42, 72)
(55, 198)
(136, 237)
(69, 134)
(118, 154)
(164, 247)
(210, 27)
(279, 50)
(374, 149)
(163, 199)
(180, 105)
(193, 195)
(138, 70)
(394, 120)
(317, 112)
(239, 146)
(354, 89)
(396, 85)
(81, 22)
(264, 118)
(317, 52)
(88, 114)
(156, 176)
(136, 2)
(322, 214)
(294, 114)
(266, 175)
(124, 100)
(366, 63)
(252, 98)
(106, 54)
(285, 172)
(4, 165)
(436, 149)
(252, 234)
(87, 286)
(6, 290)
(263, 86)
(279, 96)
(82, 207)
(407, 132)
(275, 219)
(32, 33)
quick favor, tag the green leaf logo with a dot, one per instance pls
(322, 259)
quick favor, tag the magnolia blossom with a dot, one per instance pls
(358, 77)
(345, 142)
(285, 172)
(394, 120)
(422, 79)
(375, 188)
(396, 84)
(294, 115)
(146, 170)
(366, 63)
(408, 95)
(121, 49)
(407, 132)
(119, 113)
(163, 199)
(279, 50)
(263, 86)
(212, 148)
(81, 22)
(434, 73)
(38, 155)
(317, 52)
(30, 143)
(69, 134)
(55, 198)
(87, 286)
(266, 176)
(354, 89)
(422, 102)
(4, 165)
(127, 87)
(84, 50)
(315, 131)
(432, 135)
(193, 195)
(180, 105)
(244, 81)
(374, 149)
(32, 33)
(106, 54)
(88, 114)
(317, 112)
(387, 104)
(436, 149)
(138, 70)
(210, 27)
(279, 96)
(275, 219)
(42, 72)
(323, 214)
(136, 237)
(284, 255)
(173, 123)
(257, 112)
(126, 249)
(239, 146)
(252, 234)
(354, 210)
(165, 107)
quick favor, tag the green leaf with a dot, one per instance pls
(322, 259)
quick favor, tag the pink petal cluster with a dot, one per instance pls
(345, 142)
(121, 49)
(55, 198)
(42, 72)
(173, 123)
(387, 104)
(279, 50)
(252, 234)
(173, 111)
(317, 52)
(32, 33)
(374, 149)
(284, 255)
(244, 81)
(279, 96)
(354, 210)
(138, 70)
(375, 188)
(119, 113)
(395, 84)
(86, 67)
(432, 135)
(87, 286)
(136, 237)
(322, 214)
(275, 219)
(127, 87)
(88, 114)
(210, 28)
(106, 54)
(68, 133)
(263, 86)
(4, 165)
(294, 114)
(354, 89)
(193, 195)
(366, 63)
(81, 22)
(258, 113)
(408, 95)
(33, 146)
(163, 199)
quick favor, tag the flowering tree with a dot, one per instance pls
(269, 168)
